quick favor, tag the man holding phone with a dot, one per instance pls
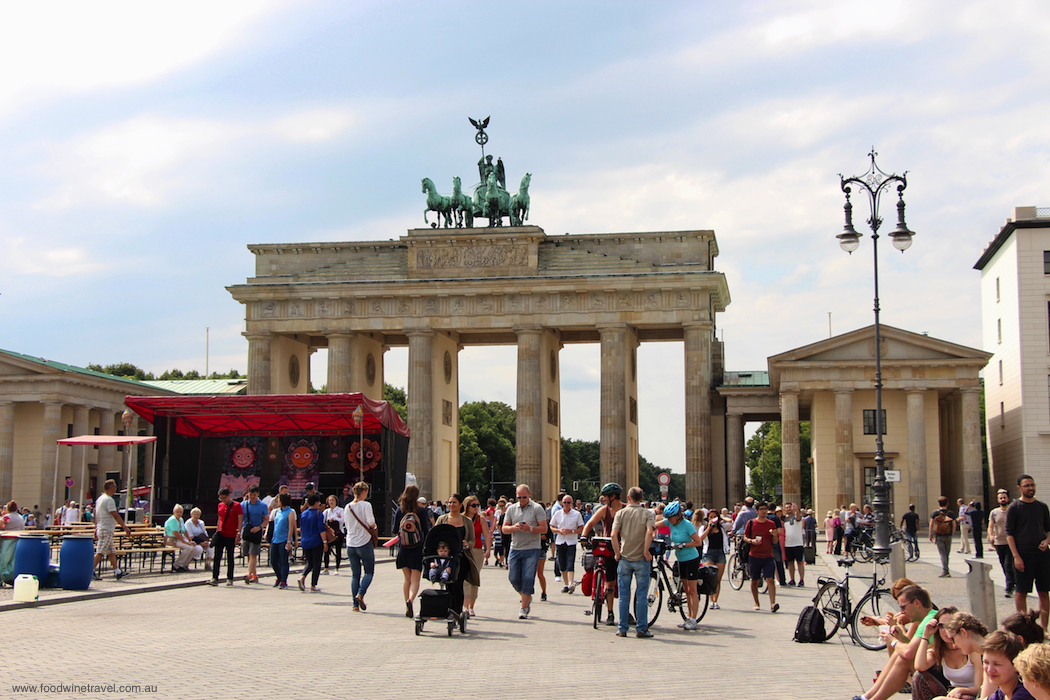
(761, 534)
(915, 604)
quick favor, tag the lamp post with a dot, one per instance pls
(875, 183)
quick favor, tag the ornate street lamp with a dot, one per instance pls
(875, 182)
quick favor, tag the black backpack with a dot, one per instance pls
(810, 627)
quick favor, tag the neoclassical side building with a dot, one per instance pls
(437, 291)
(932, 426)
(42, 401)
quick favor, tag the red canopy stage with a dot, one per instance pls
(289, 414)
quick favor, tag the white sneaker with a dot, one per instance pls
(557, 578)
(335, 573)
(523, 614)
(690, 624)
(682, 625)
(324, 572)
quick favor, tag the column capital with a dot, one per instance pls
(702, 325)
(970, 389)
(528, 330)
(790, 392)
(610, 327)
(339, 334)
(843, 390)
(258, 335)
(419, 332)
(915, 392)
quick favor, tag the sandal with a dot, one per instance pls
(359, 602)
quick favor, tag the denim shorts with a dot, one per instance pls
(715, 556)
(521, 569)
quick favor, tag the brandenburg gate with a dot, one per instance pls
(438, 290)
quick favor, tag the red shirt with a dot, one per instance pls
(229, 521)
(763, 550)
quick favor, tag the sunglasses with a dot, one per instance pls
(521, 497)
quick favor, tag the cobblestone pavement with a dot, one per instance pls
(195, 641)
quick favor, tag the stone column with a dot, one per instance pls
(844, 446)
(258, 363)
(613, 435)
(698, 474)
(107, 421)
(7, 450)
(973, 476)
(338, 363)
(78, 462)
(791, 457)
(421, 410)
(49, 449)
(530, 413)
(917, 454)
(735, 456)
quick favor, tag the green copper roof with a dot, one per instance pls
(756, 378)
(202, 387)
(62, 367)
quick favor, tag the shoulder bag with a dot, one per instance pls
(246, 534)
(373, 530)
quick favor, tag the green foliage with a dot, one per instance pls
(396, 396)
(123, 369)
(487, 436)
(763, 456)
(581, 464)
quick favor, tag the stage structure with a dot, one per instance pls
(206, 442)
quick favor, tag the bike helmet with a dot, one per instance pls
(673, 509)
(688, 515)
(611, 488)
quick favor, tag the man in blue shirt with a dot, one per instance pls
(742, 518)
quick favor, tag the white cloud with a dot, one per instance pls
(37, 257)
(69, 47)
(315, 125)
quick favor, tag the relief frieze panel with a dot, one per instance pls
(472, 257)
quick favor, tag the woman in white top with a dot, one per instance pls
(334, 518)
(197, 531)
(960, 666)
(357, 519)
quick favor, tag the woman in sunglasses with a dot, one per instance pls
(479, 550)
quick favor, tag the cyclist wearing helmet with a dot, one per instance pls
(604, 516)
(685, 540)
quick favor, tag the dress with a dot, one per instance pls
(411, 557)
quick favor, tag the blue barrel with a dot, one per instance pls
(32, 555)
(77, 560)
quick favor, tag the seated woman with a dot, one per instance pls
(1034, 666)
(1000, 650)
(175, 536)
(941, 665)
(197, 531)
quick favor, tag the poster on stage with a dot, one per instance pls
(363, 460)
(241, 467)
(300, 464)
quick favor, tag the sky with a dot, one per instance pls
(145, 145)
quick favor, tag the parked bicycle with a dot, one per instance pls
(862, 548)
(834, 602)
(739, 571)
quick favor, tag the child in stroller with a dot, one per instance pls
(442, 558)
(441, 566)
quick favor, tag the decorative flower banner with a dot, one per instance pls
(241, 467)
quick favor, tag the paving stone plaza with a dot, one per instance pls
(193, 641)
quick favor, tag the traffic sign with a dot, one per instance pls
(893, 475)
(69, 482)
(780, 489)
(664, 479)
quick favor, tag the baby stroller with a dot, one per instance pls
(446, 601)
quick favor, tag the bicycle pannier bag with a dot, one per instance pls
(810, 626)
(587, 582)
(588, 561)
(708, 580)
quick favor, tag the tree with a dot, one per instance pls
(487, 452)
(581, 464)
(397, 398)
(763, 456)
(123, 369)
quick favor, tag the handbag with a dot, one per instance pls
(373, 530)
(218, 528)
(246, 533)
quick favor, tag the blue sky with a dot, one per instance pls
(145, 145)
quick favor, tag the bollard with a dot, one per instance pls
(981, 592)
(897, 560)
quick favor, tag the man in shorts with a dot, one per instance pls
(567, 523)
(106, 520)
(1027, 533)
(525, 520)
(794, 544)
(761, 534)
(604, 517)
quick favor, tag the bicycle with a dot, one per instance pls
(834, 602)
(659, 582)
(911, 552)
(739, 571)
(602, 549)
(862, 548)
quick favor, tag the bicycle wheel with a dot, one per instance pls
(702, 609)
(874, 604)
(829, 602)
(736, 573)
(597, 594)
(655, 595)
(913, 551)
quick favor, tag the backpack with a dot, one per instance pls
(810, 626)
(942, 523)
(410, 531)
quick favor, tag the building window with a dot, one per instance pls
(996, 290)
(1002, 415)
(1046, 262)
(999, 329)
(869, 422)
(1000, 372)
(869, 484)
